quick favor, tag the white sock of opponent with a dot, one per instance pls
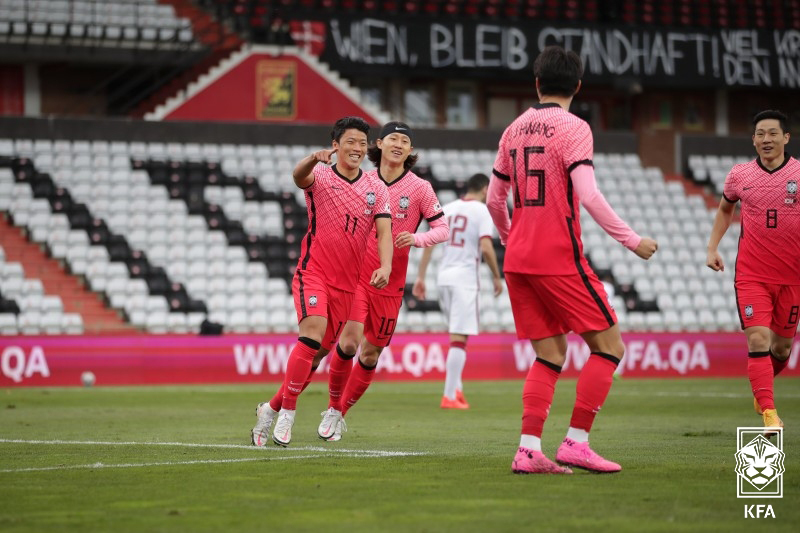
(456, 359)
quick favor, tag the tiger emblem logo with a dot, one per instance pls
(759, 462)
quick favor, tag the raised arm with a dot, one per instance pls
(303, 175)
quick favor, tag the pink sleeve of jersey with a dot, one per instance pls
(580, 146)
(496, 198)
(439, 232)
(597, 206)
(497, 195)
(431, 210)
(731, 189)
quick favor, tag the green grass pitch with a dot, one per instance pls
(146, 459)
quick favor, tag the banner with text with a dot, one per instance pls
(611, 54)
(175, 359)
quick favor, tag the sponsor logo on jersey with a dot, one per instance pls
(370, 198)
(748, 311)
(404, 202)
(312, 300)
(791, 187)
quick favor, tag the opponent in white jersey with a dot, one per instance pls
(458, 280)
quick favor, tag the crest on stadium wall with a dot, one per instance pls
(276, 90)
(370, 198)
(791, 187)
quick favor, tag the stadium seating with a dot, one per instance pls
(712, 169)
(172, 234)
(24, 306)
(111, 23)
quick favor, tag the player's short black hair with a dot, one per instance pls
(772, 113)
(348, 123)
(558, 71)
(477, 182)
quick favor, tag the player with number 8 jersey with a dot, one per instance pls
(767, 282)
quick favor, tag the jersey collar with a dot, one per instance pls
(336, 171)
(545, 106)
(786, 158)
(401, 176)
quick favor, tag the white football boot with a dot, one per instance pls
(265, 415)
(282, 435)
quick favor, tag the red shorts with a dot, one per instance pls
(312, 296)
(546, 306)
(768, 304)
(378, 313)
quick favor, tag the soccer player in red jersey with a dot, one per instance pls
(767, 280)
(344, 204)
(545, 156)
(373, 316)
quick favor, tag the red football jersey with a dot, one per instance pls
(411, 199)
(536, 154)
(769, 248)
(341, 215)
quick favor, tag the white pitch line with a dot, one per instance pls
(688, 394)
(262, 449)
(165, 463)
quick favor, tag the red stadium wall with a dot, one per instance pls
(177, 359)
(269, 88)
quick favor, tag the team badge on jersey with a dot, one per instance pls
(404, 202)
(791, 187)
(748, 311)
(370, 198)
(437, 207)
(312, 301)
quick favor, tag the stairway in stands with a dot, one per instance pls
(97, 318)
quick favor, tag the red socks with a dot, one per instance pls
(339, 371)
(761, 372)
(537, 395)
(594, 383)
(277, 401)
(777, 364)
(297, 370)
(357, 385)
